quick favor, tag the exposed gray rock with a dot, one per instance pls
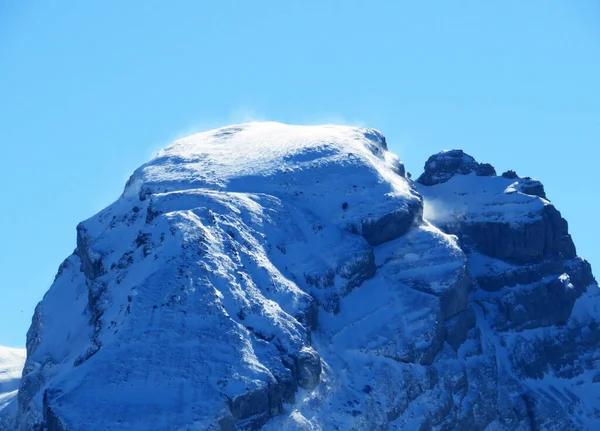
(308, 364)
(454, 301)
(531, 186)
(91, 262)
(392, 225)
(309, 317)
(458, 327)
(548, 302)
(253, 408)
(52, 421)
(440, 167)
(536, 295)
(527, 242)
(527, 185)
(495, 278)
(510, 174)
(424, 343)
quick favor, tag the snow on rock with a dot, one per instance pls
(11, 366)
(266, 276)
(191, 300)
(440, 167)
(536, 304)
(502, 217)
(308, 166)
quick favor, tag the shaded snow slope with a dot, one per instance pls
(283, 277)
(11, 366)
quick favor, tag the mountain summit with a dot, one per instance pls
(293, 278)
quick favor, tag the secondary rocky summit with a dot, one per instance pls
(290, 277)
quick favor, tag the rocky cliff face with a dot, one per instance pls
(535, 302)
(282, 277)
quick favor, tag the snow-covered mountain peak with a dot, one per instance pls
(283, 277)
(343, 174)
(236, 158)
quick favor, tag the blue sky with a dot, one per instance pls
(90, 90)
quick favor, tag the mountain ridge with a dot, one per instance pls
(265, 275)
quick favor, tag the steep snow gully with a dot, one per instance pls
(266, 276)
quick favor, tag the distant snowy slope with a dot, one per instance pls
(11, 366)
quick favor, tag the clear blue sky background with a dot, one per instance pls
(89, 90)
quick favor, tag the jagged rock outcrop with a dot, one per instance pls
(535, 301)
(265, 276)
(440, 167)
